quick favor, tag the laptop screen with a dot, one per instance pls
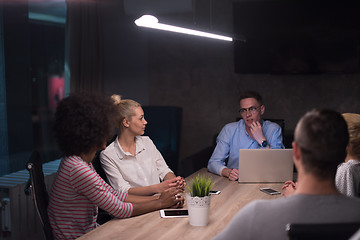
(265, 165)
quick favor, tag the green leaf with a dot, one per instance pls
(200, 186)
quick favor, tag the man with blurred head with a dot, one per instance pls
(319, 146)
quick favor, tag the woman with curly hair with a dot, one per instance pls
(82, 127)
(132, 162)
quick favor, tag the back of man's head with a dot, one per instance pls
(322, 136)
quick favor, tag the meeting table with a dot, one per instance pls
(223, 207)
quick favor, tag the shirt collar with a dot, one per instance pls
(122, 154)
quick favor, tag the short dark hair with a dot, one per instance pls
(251, 94)
(83, 123)
(322, 136)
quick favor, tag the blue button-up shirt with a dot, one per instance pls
(233, 137)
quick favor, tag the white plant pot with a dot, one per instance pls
(198, 208)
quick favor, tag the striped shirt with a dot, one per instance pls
(76, 194)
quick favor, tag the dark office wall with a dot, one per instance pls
(125, 54)
(198, 75)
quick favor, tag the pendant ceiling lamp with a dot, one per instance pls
(150, 21)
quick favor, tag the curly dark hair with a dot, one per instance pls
(83, 123)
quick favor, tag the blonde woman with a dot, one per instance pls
(132, 162)
(348, 173)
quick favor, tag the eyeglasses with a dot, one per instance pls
(253, 110)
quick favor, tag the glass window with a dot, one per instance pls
(32, 80)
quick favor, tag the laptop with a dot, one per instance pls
(265, 165)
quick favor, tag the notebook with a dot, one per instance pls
(265, 165)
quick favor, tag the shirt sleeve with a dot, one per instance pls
(344, 180)
(88, 183)
(217, 160)
(113, 174)
(274, 137)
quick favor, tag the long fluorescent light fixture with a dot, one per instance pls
(152, 22)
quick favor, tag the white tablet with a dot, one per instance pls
(172, 213)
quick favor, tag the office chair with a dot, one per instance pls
(98, 167)
(321, 231)
(164, 129)
(103, 216)
(37, 188)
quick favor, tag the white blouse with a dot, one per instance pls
(125, 170)
(348, 178)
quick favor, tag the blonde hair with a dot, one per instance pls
(115, 99)
(125, 109)
(353, 122)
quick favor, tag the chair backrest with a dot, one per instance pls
(38, 192)
(98, 167)
(321, 231)
(164, 129)
(97, 163)
(103, 216)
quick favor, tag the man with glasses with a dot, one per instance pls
(251, 132)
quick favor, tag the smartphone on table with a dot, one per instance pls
(215, 192)
(173, 213)
(269, 191)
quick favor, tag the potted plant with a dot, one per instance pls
(198, 200)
